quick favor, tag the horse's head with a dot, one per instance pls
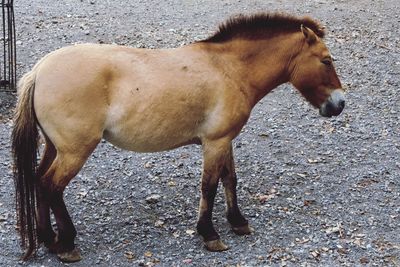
(315, 77)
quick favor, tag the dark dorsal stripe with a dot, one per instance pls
(261, 26)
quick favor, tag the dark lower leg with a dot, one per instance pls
(229, 181)
(45, 231)
(64, 168)
(66, 230)
(233, 214)
(235, 218)
(204, 225)
(238, 223)
(214, 154)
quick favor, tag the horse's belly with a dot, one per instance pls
(151, 135)
(149, 123)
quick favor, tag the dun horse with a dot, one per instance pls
(154, 100)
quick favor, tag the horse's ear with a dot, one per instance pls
(308, 34)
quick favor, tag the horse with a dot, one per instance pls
(149, 100)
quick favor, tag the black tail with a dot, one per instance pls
(24, 149)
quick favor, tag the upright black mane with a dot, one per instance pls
(259, 26)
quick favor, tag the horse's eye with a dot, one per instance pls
(327, 61)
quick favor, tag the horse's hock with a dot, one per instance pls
(7, 39)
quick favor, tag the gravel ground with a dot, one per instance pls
(319, 192)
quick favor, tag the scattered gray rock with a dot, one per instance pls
(153, 199)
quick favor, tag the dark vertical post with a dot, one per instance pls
(8, 72)
(3, 78)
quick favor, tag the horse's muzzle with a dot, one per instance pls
(334, 105)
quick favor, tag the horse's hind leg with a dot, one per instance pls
(45, 231)
(65, 246)
(228, 175)
(65, 166)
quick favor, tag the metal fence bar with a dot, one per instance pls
(8, 71)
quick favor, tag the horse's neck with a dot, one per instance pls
(259, 65)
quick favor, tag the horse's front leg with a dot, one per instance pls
(214, 158)
(238, 223)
